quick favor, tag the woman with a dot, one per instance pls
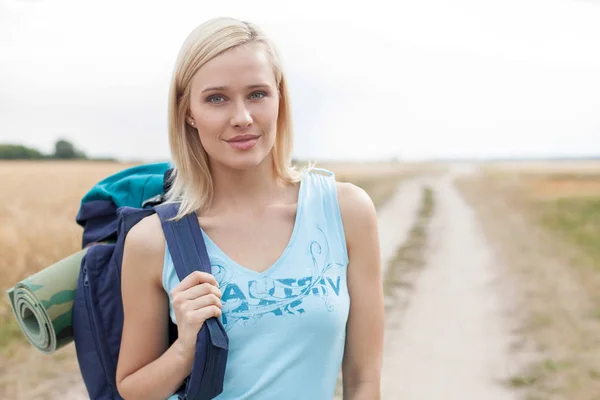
(296, 276)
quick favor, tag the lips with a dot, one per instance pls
(243, 142)
(242, 138)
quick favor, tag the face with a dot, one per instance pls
(234, 105)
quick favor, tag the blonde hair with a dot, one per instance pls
(191, 183)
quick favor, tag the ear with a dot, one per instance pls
(190, 120)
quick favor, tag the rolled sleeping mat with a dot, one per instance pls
(43, 303)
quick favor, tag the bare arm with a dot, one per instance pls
(363, 354)
(148, 368)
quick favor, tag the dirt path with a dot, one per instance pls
(452, 340)
(397, 216)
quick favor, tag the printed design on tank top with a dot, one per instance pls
(279, 296)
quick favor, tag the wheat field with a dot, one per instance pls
(38, 215)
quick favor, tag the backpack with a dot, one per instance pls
(107, 213)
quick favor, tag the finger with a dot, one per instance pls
(204, 301)
(200, 290)
(180, 298)
(193, 279)
(202, 314)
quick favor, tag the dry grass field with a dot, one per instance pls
(563, 197)
(380, 179)
(38, 228)
(38, 223)
(544, 220)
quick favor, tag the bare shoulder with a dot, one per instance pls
(357, 209)
(145, 335)
(144, 249)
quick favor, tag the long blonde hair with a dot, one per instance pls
(191, 183)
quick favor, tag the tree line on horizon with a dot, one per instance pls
(63, 150)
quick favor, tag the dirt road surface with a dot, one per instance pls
(397, 216)
(452, 339)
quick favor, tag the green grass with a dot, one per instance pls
(522, 381)
(410, 253)
(577, 220)
(538, 377)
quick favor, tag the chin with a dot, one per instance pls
(245, 162)
(241, 160)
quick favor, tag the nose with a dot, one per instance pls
(241, 115)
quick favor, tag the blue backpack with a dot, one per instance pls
(107, 213)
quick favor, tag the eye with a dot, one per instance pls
(215, 99)
(260, 95)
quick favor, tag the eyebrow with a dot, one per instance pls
(223, 88)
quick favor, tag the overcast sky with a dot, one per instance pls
(413, 79)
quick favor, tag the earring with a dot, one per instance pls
(193, 123)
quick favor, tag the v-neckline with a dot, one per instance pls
(281, 258)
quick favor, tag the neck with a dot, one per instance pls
(257, 186)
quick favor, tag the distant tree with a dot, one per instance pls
(63, 149)
(18, 152)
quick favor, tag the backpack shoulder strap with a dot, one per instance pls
(185, 241)
(188, 252)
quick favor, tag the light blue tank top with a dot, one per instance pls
(286, 325)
